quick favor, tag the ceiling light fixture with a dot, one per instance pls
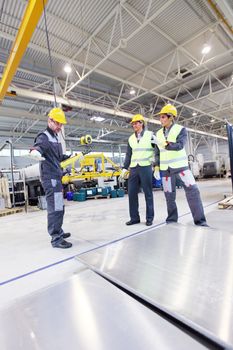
(67, 68)
(206, 49)
(97, 119)
(212, 120)
(132, 91)
(194, 114)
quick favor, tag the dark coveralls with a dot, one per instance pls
(140, 176)
(51, 174)
(184, 174)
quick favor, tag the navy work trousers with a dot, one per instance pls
(55, 208)
(140, 176)
(192, 194)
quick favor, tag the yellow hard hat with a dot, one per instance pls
(58, 115)
(138, 118)
(169, 109)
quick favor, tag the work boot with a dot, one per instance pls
(132, 222)
(203, 224)
(63, 244)
(149, 223)
(66, 235)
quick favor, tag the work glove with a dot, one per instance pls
(36, 155)
(154, 140)
(157, 173)
(162, 144)
(123, 174)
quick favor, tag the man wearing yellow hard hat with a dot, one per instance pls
(172, 163)
(139, 157)
(48, 150)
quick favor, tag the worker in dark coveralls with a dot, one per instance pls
(139, 159)
(48, 150)
(171, 162)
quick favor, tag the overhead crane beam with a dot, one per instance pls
(31, 17)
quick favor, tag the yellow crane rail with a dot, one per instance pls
(31, 17)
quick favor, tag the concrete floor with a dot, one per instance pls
(29, 263)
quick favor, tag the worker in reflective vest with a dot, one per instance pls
(171, 162)
(48, 150)
(139, 157)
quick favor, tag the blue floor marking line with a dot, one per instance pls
(36, 270)
(71, 257)
(87, 251)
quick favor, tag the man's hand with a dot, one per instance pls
(155, 141)
(123, 174)
(157, 173)
(36, 155)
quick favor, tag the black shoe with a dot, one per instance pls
(66, 235)
(149, 223)
(203, 224)
(63, 244)
(132, 222)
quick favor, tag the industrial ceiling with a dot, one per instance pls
(127, 57)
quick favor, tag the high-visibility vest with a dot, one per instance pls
(142, 151)
(171, 159)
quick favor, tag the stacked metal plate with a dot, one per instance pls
(186, 271)
(86, 312)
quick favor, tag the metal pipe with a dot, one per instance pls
(120, 160)
(12, 171)
(11, 165)
(230, 142)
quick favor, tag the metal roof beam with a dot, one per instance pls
(109, 51)
(62, 57)
(78, 104)
(98, 29)
(171, 80)
(201, 32)
(22, 114)
(212, 72)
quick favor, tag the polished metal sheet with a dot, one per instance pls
(86, 312)
(186, 271)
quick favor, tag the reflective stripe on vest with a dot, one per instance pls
(172, 159)
(51, 137)
(142, 151)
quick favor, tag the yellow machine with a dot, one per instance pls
(88, 167)
(86, 140)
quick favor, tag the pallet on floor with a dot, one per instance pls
(98, 196)
(4, 212)
(226, 203)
